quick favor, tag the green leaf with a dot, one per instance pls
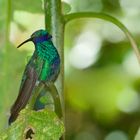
(66, 8)
(39, 125)
(109, 18)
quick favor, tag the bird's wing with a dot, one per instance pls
(25, 93)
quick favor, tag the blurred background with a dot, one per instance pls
(102, 74)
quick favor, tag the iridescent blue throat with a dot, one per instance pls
(42, 38)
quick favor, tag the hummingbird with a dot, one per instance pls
(43, 66)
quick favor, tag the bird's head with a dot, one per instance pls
(38, 37)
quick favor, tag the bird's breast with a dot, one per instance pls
(50, 70)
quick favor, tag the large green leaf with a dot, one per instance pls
(41, 125)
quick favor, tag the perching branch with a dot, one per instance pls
(55, 25)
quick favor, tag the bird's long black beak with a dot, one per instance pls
(30, 39)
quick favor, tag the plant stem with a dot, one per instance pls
(35, 95)
(73, 16)
(55, 25)
(55, 95)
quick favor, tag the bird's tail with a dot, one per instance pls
(24, 95)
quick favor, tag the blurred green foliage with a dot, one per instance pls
(102, 99)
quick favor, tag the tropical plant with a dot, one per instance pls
(43, 124)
